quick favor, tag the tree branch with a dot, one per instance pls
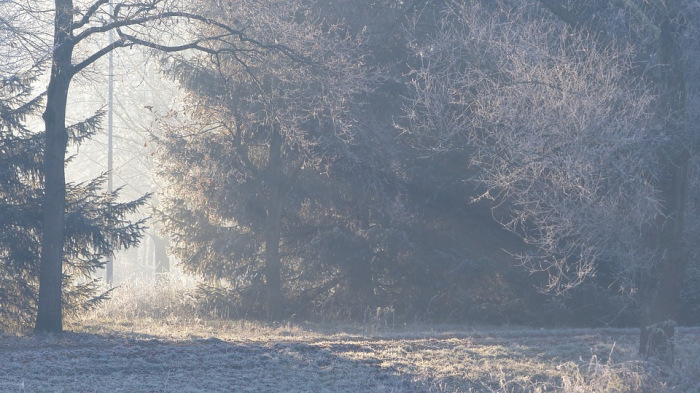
(556, 8)
(95, 56)
(639, 14)
(167, 48)
(89, 13)
(577, 21)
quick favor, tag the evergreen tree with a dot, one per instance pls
(96, 223)
(20, 194)
(279, 166)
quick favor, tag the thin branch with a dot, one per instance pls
(591, 26)
(132, 40)
(566, 16)
(194, 17)
(89, 13)
(128, 40)
(97, 55)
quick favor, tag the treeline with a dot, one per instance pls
(344, 180)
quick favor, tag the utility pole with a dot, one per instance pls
(109, 268)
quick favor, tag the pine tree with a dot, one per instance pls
(275, 165)
(96, 223)
(20, 193)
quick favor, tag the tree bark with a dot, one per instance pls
(273, 263)
(160, 251)
(360, 277)
(660, 290)
(50, 305)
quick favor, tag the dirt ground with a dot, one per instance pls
(157, 356)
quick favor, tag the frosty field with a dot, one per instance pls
(148, 355)
(146, 339)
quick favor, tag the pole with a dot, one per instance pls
(109, 269)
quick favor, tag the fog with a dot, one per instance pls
(141, 94)
(529, 163)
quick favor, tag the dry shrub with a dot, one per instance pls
(169, 297)
(635, 376)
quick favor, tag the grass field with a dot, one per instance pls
(118, 351)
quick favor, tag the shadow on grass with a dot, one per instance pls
(273, 359)
(83, 362)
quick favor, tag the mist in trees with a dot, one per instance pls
(76, 45)
(334, 160)
(273, 147)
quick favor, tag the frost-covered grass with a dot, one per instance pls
(123, 347)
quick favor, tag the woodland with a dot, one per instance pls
(509, 162)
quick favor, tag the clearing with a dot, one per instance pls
(149, 355)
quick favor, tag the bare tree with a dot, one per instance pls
(24, 42)
(164, 25)
(571, 132)
(665, 34)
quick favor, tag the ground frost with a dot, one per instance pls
(141, 358)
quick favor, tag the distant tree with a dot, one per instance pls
(579, 127)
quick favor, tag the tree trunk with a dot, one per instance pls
(49, 316)
(660, 290)
(49, 313)
(360, 277)
(160, 250)
(273, 263)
